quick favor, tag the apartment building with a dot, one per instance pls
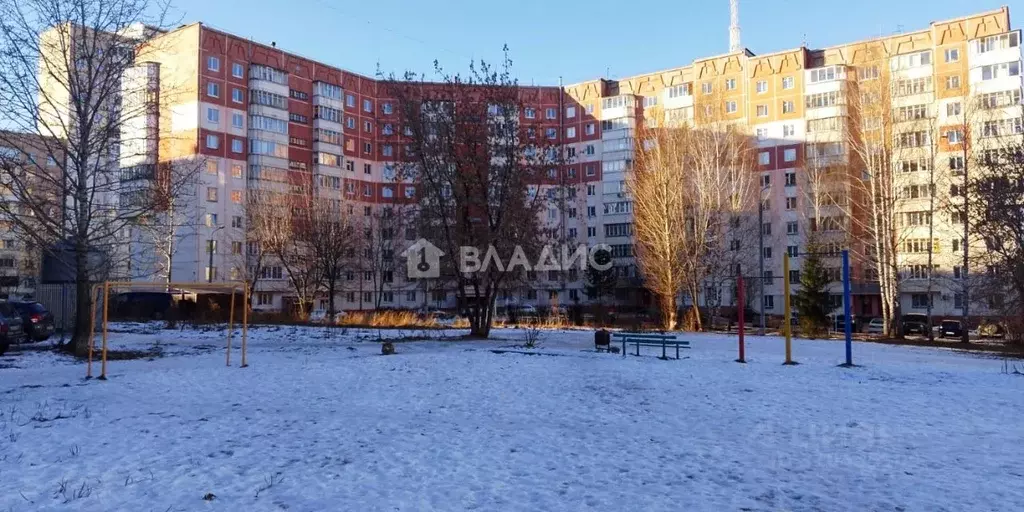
(259, 117)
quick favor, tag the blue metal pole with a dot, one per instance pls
(846, 308)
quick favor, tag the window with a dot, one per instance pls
(236, 146)
(589, 130)
(769, 302)
(789, 155)
(762, 110)
(956, 163)
(824, 99)
(788, 130)
(367, 106)
(953, 82)
(951, 136)
(212, 141)
(211, 220)
(367, 168)
(794, 277)
(570, 132)
(211, 167)
(236, 222)
(912, 86)
(236, 196)
(1000, 70)
(1001, 99)
(762, 86)
(766, 252)
(952, 55)
(237, 96)
(213, 90)
(550, 133)
(213, 115)
(911, 60)
(387, 150)
(793, 251)
(677, 91)
(762, 133)
(213, 63)
(367, 148)
(791, 205)
(550, 113)
(730, 107)
(787, 82)
(298, 118)
(826, 74)
(867, 73)
(237, 70)
(367, 127)
(269, 99)
(591, 170)
(350, 100)
(919, 300)
(730, 84)
(993, 43)
(823, 125)
(790, 179)
(237, 120)
(268, 124)
(787, 107)
(766, 229)
(764, 158)
(766, 180)
(387, 108)
(570, 112)
(953, 109)
(706, 88)
(269, 74)
(211, 194)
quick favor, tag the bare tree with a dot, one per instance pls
(63, 66)
(997, 216)
(471, 153)
(327, 233)
(285, 233)
(660, 204)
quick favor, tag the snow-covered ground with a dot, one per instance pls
(321, 421)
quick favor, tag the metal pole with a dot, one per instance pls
(760, 255)
(787, 321)
(245, 324)
(95, 291)
(106, 309)
(742, 320)
(846, 308)
(231, 326)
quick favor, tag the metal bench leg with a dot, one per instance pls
(638, 349)
(623, 347)
(677, 351)
(663, 356)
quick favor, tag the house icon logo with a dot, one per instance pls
(423, 260)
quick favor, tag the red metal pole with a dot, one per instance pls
(740, 299)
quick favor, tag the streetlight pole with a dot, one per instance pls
(210, 245)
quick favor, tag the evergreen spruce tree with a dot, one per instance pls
(812, 301)
(600, 283)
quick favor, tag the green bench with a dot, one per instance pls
(651, 340)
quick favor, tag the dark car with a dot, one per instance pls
(915, 324)
(36, 319)
(951, 329)
(142, 305)
(11, 329)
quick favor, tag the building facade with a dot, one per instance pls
(258, 117)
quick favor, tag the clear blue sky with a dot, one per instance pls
(575, 39)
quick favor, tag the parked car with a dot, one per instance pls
(142, 305)
(951, 329)
(875, 326)
(915, 323)
(36, 319)
(11, 327)
(839, 323)
(319, 316)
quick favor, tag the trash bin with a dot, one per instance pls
(602, 339)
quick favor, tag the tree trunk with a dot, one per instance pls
(668, 313)
(83, 309)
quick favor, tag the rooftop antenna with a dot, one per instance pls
(734, 26)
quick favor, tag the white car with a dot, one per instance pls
(319, 316)
(875, 326)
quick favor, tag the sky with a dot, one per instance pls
(548, 40)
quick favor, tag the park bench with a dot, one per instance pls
(651, 340)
